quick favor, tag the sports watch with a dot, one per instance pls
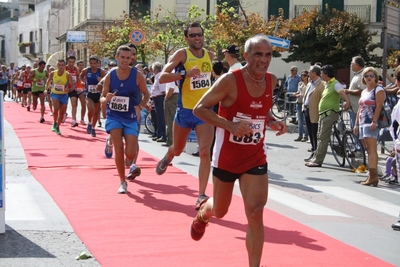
(183, 74)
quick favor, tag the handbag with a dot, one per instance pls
(384, 119)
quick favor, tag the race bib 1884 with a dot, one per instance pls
(119, 103)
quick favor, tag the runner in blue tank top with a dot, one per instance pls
(123, 89)
(92, 75)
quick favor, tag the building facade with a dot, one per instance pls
(32, 29)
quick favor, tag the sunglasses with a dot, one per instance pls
(369, 76)
(192, 35)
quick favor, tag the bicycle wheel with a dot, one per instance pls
(278, 109)
(337, 148)
(148, 123)
(354, 150)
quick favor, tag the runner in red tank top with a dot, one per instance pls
(76, 94)
(245, 98)
(27, 88)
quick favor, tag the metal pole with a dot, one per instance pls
(276, 27)
(384, 37)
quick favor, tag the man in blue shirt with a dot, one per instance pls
(290, 86)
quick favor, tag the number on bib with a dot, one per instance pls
(119, 103)
(254, 138)
(92, 89)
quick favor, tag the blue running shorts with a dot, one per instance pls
(186, 119)
(63, 98)
(131, 128)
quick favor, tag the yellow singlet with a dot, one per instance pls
(59, 83)
(194, 88)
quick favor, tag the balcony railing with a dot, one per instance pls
(362, 11)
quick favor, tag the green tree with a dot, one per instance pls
(330, 38)
(220, 32)
(166, 29)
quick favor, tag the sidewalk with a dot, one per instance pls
(37, 232)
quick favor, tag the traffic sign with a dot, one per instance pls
(279, 42)
(136, 36)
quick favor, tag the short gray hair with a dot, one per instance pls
(157, 66)
(254, 40)
(316, 69)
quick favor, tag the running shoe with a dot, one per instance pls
(58, 130)
(74, 124)
(42, 120)
(99, 123)
(89, 128)
(128, 162)
(198, 227)
(28, 108)
(200, 200)
(123, 188)
(162, 166)
(34, 107)
(134, 171)
(108, 150)
(93, 133)
(65, 117)
(53, 127)
(83, 122)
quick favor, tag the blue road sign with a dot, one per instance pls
(279, 42)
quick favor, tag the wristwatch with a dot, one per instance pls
(183, 74)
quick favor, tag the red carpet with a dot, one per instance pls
(150, 225)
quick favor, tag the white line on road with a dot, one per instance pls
(300, 204)
(360, 199)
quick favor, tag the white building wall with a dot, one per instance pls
(9, 30)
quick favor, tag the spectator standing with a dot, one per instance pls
(371, 103)
(311, 102)
(231, 56)
(299, 107)
(356, 87)
(290, 86)
(329, 106)
(158, 97)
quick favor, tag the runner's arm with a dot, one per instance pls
(49, 80)
(176, 59)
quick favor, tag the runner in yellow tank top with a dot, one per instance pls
(194, 74)
(59, 93)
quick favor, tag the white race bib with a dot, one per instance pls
(254, 138)
(201, 82)
(74, 79)
(92, 89)
(59, 87)
(27, 85)
(119, 103)
(20, 83)
(39, 83)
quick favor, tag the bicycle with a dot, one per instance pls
(344, 144)
(149, 124)
(278, 104)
